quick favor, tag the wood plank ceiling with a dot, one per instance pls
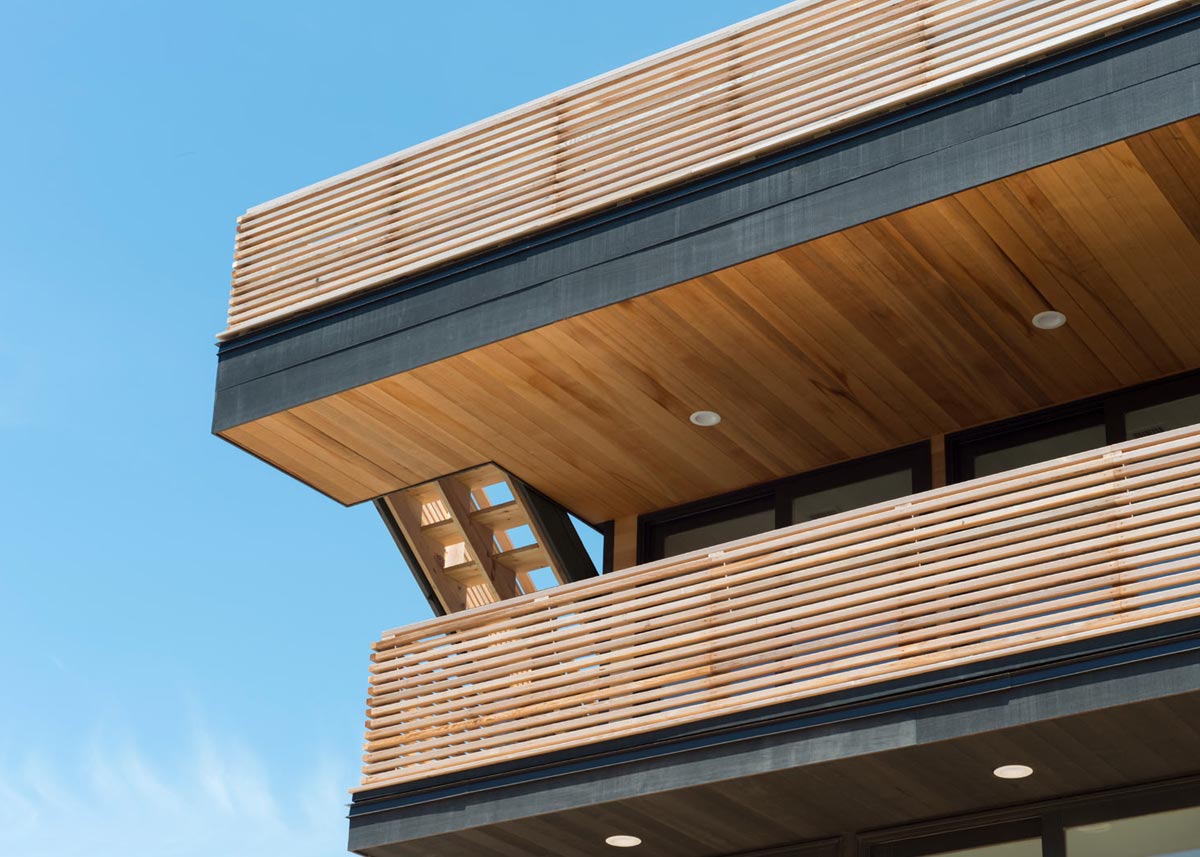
(881, 335)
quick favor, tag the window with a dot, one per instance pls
(1013, 839)
(853, 494)
(1160, 822)
(1078, 427)
(1163, 416)
(779, 504)
(1020, 848)
(1160, 834)
(714, 527)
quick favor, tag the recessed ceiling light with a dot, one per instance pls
(623, 841)
(1013, 772)
(705, 418)
(1051, 319)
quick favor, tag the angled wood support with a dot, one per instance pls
(406, 511)
(468, 548)
(499, 581)
(551, 526)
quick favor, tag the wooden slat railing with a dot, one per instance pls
(1080, 547)
(793, 74)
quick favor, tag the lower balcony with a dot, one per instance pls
(1083, 548)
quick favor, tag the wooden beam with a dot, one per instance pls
(625, 539)
(478, 539)
(551, 560)
(407, 513)
(937, 461)
(524, 559)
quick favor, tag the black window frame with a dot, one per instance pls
(1110, 409)
(1052, 817)
(653, 527)
(960, 838)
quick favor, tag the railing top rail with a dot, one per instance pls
(559, 95)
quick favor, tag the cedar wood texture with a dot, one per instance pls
(790, 75)
(869, 339)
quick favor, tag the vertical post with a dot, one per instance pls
(937, 463)
(625, 539)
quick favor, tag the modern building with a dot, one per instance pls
(868, 336)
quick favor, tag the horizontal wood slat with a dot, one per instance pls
(1082, 546)
(800, 71)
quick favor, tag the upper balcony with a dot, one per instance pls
(806, 70)
(849, 267)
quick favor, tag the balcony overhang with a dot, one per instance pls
(848, 296)
(1122, 714)
(864, 670)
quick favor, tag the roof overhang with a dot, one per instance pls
(442, 371)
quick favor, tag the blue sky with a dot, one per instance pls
(183, 630)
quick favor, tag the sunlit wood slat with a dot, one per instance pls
(802, 70)
(1066, 550)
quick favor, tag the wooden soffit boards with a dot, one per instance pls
(868, 339)
(1048, 111)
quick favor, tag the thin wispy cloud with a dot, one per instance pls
(107, 795)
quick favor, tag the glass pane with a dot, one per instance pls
(1163, 417)
(718, 532)
(1041, 449)
(1021, 848)
(1162, 834)
(853, 495)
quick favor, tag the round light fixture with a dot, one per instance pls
(623, 841)
(1013, 772)
(705, 418)
(1051, 319)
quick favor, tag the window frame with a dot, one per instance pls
(1111, 409)
(654, 526)
(1054, 816)
(964, 836)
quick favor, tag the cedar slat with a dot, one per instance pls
(780, 605)
(593, 187)
(1086, 545)
(809, 653)
(730, 619)
(691, 601)
(1056, 484)
(757, 690)
(775, 81)
(714, 647)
